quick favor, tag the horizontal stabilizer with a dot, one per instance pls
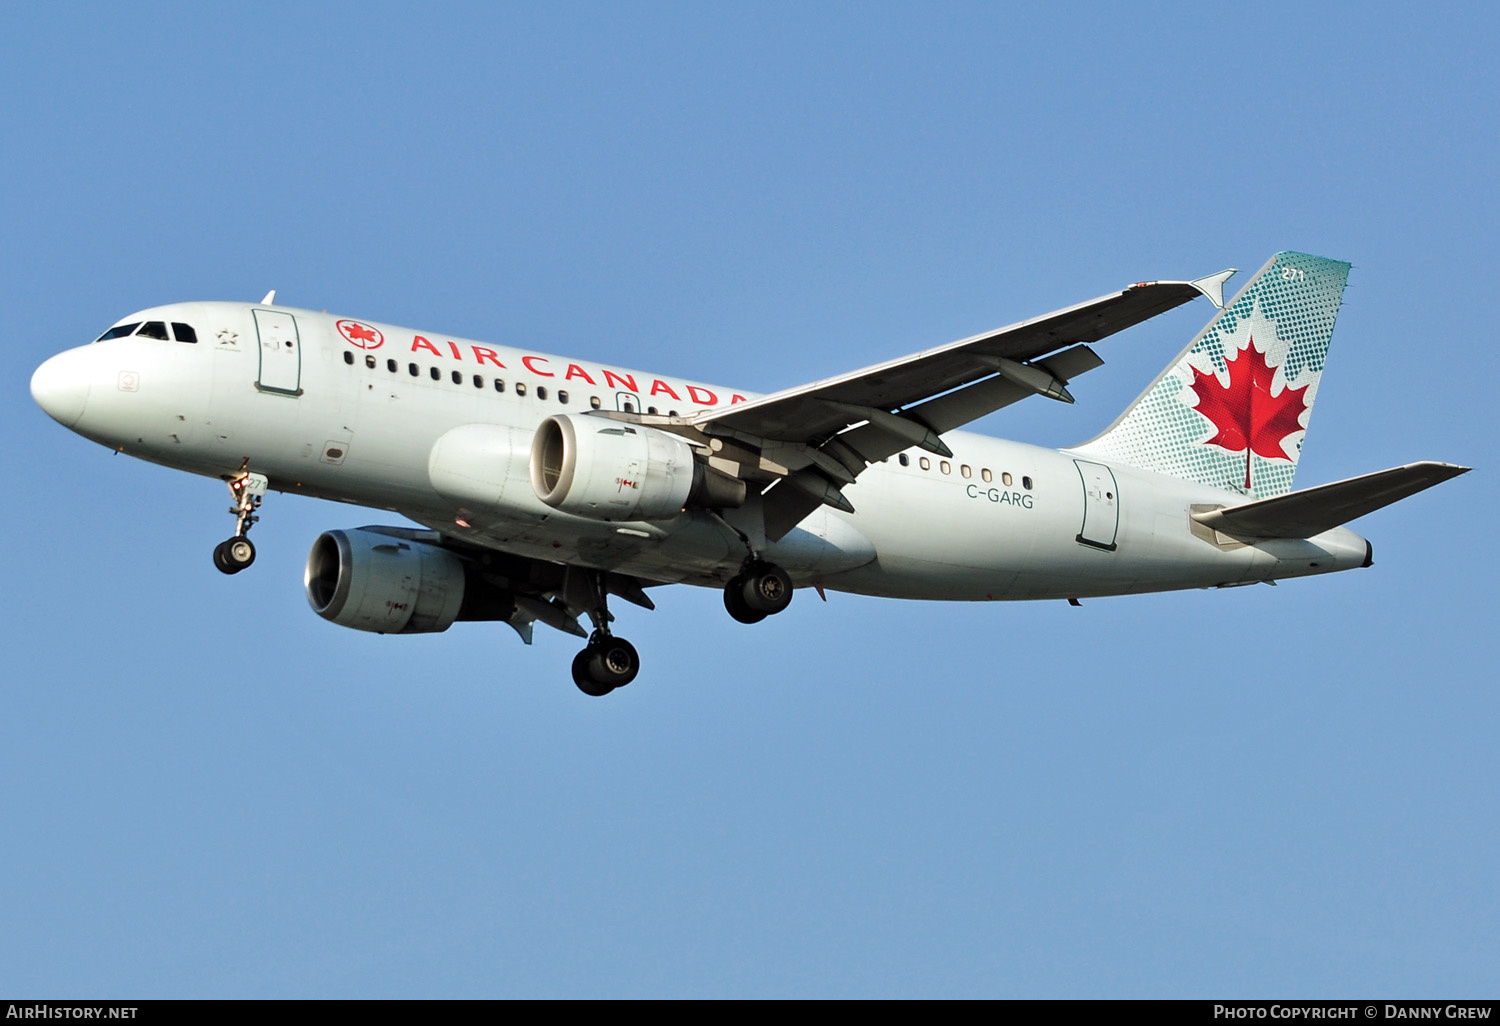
(1315, 510)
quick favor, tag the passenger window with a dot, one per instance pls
(520, 388)
(119, 332)
(541, 391)
(988, 477)
(390, 365)
(965, 471)
(671, 413)
(458, 378)
(925, 463)
(595, 402)
(413, 369)
(905, 460)
(370, 361)
(478, 381)
(184, 332)
(154, 329)
(1005, 479)
(562, 397)
(437, 375)
(651, 411)
(499, 384)
(1026, 483)
(348, 358)
(946, 467)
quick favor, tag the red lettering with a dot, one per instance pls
(454, 346)
(539, 373)
(421, 343)
(611, 379)
(481, 354)
(658, 386)
(737, 398)
(575, 371)
(697, 394)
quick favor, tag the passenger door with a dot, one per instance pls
(1101, 505)
(280, 352)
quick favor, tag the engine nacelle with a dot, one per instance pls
(607, 470)
(375, 582)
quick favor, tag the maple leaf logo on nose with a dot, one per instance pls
(361, 335)
(1247, 416)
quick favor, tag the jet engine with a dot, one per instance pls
(604, 469)
(377, 582)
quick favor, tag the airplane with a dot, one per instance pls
(544, 484)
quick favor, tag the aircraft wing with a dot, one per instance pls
(809, 440)
(526, 591)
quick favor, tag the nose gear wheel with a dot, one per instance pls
(247, 490)
(234, 555)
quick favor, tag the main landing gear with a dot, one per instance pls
(607, 662)
(248, 490)
(760, 590)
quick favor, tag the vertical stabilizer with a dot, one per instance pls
(1232, 410)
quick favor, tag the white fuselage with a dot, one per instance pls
(1000, 520)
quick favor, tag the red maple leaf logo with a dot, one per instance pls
(361, 335)
(1248, 417)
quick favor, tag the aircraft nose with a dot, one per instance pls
(61, 387)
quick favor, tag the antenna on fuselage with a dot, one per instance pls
(270, 298)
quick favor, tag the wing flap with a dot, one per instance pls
(1312, 511)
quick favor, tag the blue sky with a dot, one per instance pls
(207, 790)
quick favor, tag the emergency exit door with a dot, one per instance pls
(280, 352)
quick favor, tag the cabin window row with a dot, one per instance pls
(964, 470)
(480, 381)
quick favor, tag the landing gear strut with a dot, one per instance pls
(248, 490)
(760, 590)
(607, 662)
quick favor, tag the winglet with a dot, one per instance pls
(1213, 286)
(271, 298)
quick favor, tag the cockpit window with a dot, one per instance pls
(154, 329)
(119, 331)
(184, 332)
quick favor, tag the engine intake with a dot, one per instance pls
(606, 470)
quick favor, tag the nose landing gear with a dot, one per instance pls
(248, 490)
